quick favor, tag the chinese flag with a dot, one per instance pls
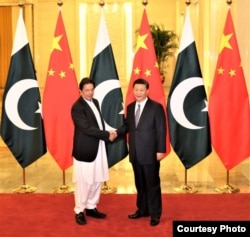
(145, 66)
(229, 104)
(60, 92)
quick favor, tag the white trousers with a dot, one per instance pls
(86, 195)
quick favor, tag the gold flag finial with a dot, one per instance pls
(101, 3)
(144, 2)
(20, 4)
(188, 2)
(229, 2)
(59, 3)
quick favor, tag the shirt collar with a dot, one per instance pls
(142, 104)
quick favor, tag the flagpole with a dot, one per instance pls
(105, 188)
(63, 159)
(185, 188)
(24, 188)
(200, 154)
(144, 3)
(63, 188)
(188, 2)
(227, 188)
(59, 3)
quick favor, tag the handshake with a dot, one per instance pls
(112, 135)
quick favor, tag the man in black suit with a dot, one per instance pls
(147, 146)
(90, 165)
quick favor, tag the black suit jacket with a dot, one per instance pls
(87, 132)
(149, 137)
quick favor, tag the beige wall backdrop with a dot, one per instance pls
(81, 19)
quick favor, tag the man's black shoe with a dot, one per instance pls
(95, 213)
(80, 218)
(137, 215)
(154, 221)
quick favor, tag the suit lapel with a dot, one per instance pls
(133, 112)
(89, 110)
(98, 108)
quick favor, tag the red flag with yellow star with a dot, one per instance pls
(60, 92)
(145, 66)
(229, 104)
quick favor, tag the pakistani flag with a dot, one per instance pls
(21, 123)
(187, 104)
(108, 91)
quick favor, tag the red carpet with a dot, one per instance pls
(45, 215)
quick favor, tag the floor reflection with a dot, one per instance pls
(206, 177)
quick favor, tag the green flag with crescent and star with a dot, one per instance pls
(187, 104)
(108, 92)
(21, 124)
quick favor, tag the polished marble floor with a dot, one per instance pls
(45, 176)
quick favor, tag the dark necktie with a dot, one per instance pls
(137, 114)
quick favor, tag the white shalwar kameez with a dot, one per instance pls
(88, 176)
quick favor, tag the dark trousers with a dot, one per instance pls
(147, 182)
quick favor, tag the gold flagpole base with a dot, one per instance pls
(185, 189)
(106, 189)
(24, 189)
(63, 189)
(227, 189)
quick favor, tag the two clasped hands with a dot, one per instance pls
(112, 135)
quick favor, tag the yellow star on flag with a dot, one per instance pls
(141, 42)
(220, 70)
(225, 42)
(232, 73)
(156, 65)
(147, 73)
(55, 44)
(51, 72)
(137, 71)
(62, 74)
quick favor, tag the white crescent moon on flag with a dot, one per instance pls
(177, 100)
(102, 90)
(12, 99)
